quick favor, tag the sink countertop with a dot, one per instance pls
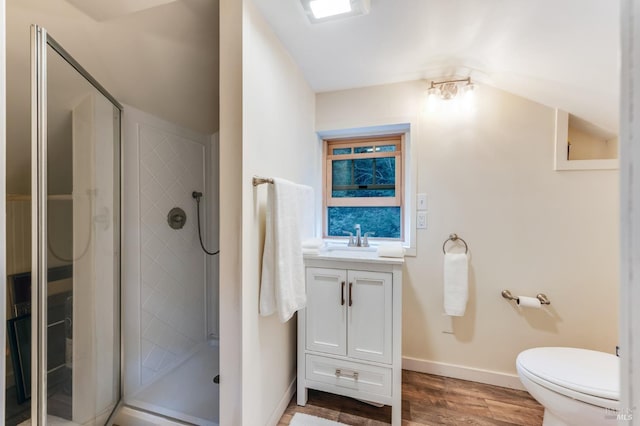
(347, 254)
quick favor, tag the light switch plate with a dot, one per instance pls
(421, 220)
(422, 201)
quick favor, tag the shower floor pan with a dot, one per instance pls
(187, 393)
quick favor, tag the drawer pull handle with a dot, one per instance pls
(350, 295)
(342, 294)
(340, 374)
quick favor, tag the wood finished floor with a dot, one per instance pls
(429, 400)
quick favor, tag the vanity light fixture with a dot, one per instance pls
(326, 10)
(449, 89)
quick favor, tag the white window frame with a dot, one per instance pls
(357, 142)
(408, 127)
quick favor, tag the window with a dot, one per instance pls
(363, 183)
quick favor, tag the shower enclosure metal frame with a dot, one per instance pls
(40, 39)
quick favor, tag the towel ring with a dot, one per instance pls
(454, 237)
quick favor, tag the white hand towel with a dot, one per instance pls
(390, 250)
(283, 288)
(456, 283)
(313, 243)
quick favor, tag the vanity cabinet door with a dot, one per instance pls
(370, 316)
(326, 312)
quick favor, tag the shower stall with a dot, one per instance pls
(112, 301)
(170, 291)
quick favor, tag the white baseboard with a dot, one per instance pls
(283, 404)
(495, 378)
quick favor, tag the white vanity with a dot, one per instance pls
(350, 334)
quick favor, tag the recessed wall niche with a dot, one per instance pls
(581, 145)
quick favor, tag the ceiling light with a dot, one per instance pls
(449, 89)
(326, 10)
(433, 91)
(469, 87)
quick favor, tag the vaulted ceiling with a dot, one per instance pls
(563, 54)
(160, 56)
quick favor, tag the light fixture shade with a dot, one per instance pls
(468, 88)
(448, 90)
(327, 10)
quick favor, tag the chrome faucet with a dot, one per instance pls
(351, 242)
(358, 236)
(358, 240)
(365, 239)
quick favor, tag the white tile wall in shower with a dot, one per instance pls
(172, 264)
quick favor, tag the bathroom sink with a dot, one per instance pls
(336, 247)
(344, 251)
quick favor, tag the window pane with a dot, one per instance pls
(362, 149)
(363, 193)
(386, 171)
(384, 221)
(341, 172)
(363, 171)
(385, 148)
(366, 177)
(341, 151)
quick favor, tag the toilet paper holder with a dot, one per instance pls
(544, 300)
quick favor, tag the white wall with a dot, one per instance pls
(266, 128)
(489, 178)
(231, 232)
(278, 140)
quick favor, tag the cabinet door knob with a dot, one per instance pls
(342, 294)
(350, 295)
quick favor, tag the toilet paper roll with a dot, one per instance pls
(529, 302)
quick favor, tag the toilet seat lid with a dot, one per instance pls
(579, 370)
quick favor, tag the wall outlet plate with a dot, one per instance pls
(421, 220)
(447, 324)
(422, 201)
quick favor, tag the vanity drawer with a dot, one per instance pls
(351, 375)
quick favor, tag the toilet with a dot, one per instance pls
(576, 386)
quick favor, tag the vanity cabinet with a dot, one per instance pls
(349, 335)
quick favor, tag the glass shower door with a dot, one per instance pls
(75, 320)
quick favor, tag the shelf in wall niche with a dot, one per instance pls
(561, 163)
(27, 197)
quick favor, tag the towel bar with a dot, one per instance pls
(257, 180)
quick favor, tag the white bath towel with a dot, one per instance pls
(456, 283)
(283, 288)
